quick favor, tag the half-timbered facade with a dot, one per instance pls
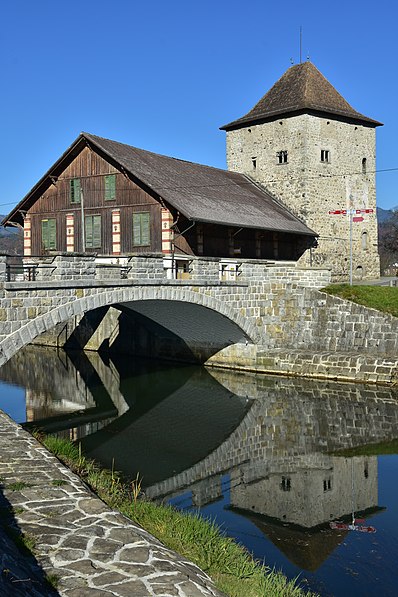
(109, 198)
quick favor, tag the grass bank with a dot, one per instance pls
(378, 449)
(230, 565)
(382, 298)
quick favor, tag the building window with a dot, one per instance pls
(110, 187)
(327, 485)
(75, 190)
(49, 234)
(325, 155)
(141, 229)
(254, 163)
(282, 157)
(363, 165)
(92, 228)
(364, 240)
(285, 484)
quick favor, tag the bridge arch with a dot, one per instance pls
(88, 299)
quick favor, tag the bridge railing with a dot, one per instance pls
(156, 268)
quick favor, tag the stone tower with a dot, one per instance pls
(307, 146)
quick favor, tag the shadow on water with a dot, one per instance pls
(20, 573)
(128, 414)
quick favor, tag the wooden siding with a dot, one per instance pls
(91, 169)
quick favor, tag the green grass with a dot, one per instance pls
(24, 542)
(18, 485)
(53, 580)
(370, 449)
(382, 298)
(229, 564)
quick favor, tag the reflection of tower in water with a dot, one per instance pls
(306, 490)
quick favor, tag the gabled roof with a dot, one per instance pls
(201, 193)
(302, 89)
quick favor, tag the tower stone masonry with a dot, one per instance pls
(307, 146)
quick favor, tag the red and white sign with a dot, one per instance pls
(344, 212)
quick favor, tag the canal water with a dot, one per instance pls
(273, 460)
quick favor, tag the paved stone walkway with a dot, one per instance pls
(92, 550)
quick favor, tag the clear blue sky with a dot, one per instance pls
(164, 75)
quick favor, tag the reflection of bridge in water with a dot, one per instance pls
(183, 429)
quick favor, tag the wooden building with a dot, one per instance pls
(109, 198)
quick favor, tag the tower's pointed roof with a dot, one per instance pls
(302, 89)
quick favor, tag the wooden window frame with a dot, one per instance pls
(142, 241)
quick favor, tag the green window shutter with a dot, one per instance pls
(49, 234)
(97, 232)
(52, 234)
(136, 229)
(75, 190)
(141, 229)
(110, 187)
(88, 221)
(145, 232)
(44, 234)
(93, 232)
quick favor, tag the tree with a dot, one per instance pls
(388, 242)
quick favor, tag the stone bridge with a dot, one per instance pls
(250, 314)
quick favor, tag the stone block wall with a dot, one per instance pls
(135, 268)
(311, 188)
(3, 268)
(62, 267)
(145, 268)
(205, 269)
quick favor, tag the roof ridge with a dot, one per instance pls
(153, 153)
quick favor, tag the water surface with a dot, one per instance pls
(265, 456)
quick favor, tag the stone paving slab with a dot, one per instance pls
(91, 549)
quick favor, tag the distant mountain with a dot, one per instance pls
(384, 215)
(9, 231)
(11, 239)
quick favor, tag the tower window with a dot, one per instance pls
(254, 163)
(327, 485)
(364, 240)
(325, 155)
(285, 484)
(282, 157)
(363, 165)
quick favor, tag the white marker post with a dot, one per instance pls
(355, 216)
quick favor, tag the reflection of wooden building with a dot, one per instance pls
(112, 199)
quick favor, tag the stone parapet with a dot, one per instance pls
(205, 269)
(59, 267)
(145, 268)
(3, 268)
